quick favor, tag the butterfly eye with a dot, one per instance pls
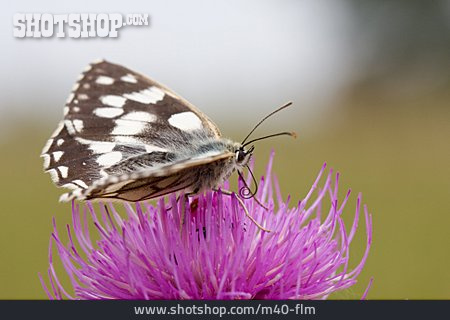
(240, 155)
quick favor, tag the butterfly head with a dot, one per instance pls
(243, 155)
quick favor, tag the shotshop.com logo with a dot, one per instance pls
(74, 25)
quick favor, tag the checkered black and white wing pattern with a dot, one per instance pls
(118, 121)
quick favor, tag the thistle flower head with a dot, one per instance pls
(209, 249)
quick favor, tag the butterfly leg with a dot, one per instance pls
(186, 197)
(241, 202)
(259, 202)
(185, 201)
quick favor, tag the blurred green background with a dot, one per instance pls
(385, 126)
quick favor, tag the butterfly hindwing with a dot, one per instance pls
(116, 122)
(154, 182)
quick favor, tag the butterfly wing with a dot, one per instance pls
(153, 182)
(114, 114)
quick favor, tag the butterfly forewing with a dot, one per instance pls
(118, 122)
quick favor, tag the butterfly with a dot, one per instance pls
(127, 137)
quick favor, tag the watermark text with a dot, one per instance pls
(74, 25)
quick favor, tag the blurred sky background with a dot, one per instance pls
(370, 84)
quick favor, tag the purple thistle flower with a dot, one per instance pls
(217, 253)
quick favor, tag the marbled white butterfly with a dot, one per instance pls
(127, 137)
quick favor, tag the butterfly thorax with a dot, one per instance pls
(213, 174)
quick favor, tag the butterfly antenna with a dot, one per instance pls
(265, 118)
(292, 134)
